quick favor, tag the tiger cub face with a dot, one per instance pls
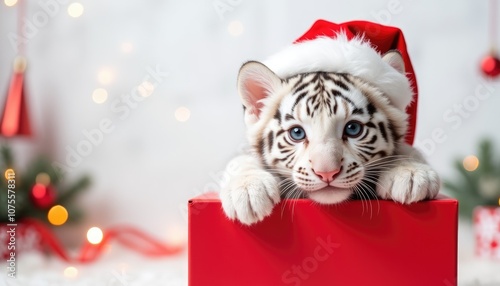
(320, 133)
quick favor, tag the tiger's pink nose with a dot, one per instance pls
(327, 176)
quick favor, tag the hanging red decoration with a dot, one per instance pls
(15, 120)
(43, 196)
(490, 64)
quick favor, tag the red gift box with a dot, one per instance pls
(303, 243)
(487, 232)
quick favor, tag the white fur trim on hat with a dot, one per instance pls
(355, 56)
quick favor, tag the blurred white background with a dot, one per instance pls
(153, 160)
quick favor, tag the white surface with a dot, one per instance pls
(117, 268)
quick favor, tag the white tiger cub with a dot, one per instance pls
(325, 120)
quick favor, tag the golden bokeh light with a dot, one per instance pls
(94, 235)
(57, 215)
(9, 174)
(100, 95)
(127, 47)
(10, 3)
(75, 9)
(176, 235)
(235, 28)
(43, 178)
(70, 272)
(471, 163)
(146, 88)
(105, 75)
(182, 114)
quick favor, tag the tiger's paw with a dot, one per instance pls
(250, 197)
(410, 182)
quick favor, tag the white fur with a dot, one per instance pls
(251, 194)
(355, 56)
(411, 180)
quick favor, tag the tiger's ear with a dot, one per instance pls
(255, 83)
(395, 60)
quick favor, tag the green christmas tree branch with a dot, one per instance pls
(469, 186)
(73, 190)
(25, 180)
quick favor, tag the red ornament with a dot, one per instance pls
(14, 120)
(43, 196)
(490, 66)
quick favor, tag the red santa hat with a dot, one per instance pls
(355, 48)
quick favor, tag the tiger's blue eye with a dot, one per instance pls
(353, 129)
(297, 133)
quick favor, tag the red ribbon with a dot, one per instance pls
(129, 237)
